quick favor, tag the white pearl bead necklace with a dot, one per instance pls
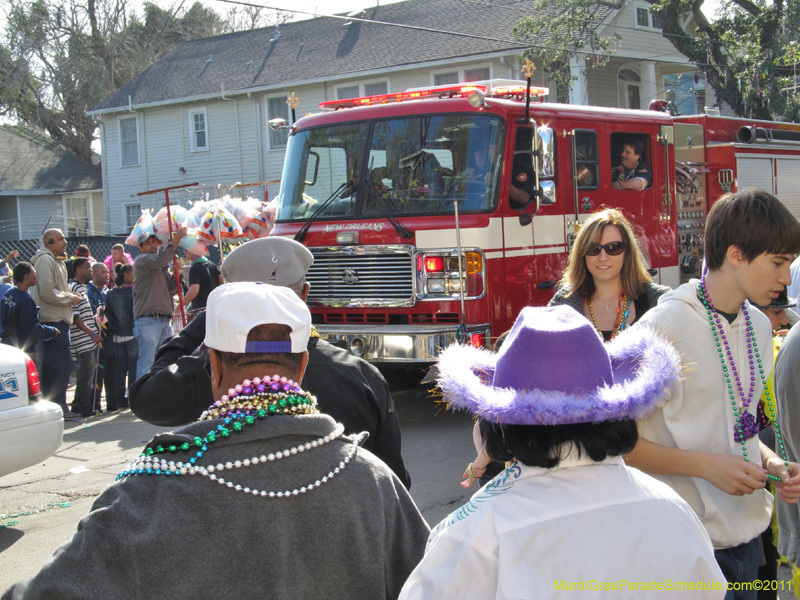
(264, 494)
(160, 466)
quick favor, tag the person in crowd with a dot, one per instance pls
(793, 289)
(107, 360)
(204, 276)
(5, 268)
(81, 251)
(51, 294)
(633, 172)
(119, 312)
(152, 296)
(780, 314)
(703, 441)
(118, 255)
(19, 315)
(605, 279)
(558, 404)
(175, 390)
(84, 339)
(330, 519)
(787, 431)
(4, 287)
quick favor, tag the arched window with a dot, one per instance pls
(629, 83)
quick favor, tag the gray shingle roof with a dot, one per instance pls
(30, 161)
(325, 47)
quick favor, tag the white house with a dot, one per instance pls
(43, 184)
(200, 113)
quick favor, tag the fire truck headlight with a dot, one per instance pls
(357, 346)
(454, 285)
(474, 262)
(435, 286)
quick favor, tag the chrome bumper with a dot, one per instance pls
(398, 343)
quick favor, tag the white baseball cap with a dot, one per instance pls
(234, 309)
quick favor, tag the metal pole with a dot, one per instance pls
(175, 266)
(462, 283)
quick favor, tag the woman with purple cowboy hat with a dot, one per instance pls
(566, 514)
(780, 314)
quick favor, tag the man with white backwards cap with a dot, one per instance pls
(262, 497)
(566, 514)
(176, 388)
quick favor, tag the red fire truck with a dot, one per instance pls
(421, 238)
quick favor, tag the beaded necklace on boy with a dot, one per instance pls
(244, 403)
(746, 426)
(619, 323)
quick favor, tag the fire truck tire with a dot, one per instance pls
(404, 376)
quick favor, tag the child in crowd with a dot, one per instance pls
(702, 442)
(19, 314)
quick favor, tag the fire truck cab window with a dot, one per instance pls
(426, 164)
(326, 166)
(631, 169)
(587, 163)
(522, 177)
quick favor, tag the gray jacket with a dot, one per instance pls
(150, 536)
(152, 289)
(653, 291)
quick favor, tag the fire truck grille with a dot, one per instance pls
(339, 278)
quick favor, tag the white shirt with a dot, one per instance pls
(537, 533)
(794, 287)
(699, 415)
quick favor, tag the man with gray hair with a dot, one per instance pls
(176, 389)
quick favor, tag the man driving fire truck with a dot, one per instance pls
(633, 173)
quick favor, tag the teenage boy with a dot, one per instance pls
(19, 315)
(702, 441)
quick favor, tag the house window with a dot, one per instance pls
(129, 141)
(77, 211)
(198, 127)
(629, 83)
(647, 18)
(358, 90)
(132, 214)
(472, 73)
(278, 109)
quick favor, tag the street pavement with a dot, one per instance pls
(437, 446)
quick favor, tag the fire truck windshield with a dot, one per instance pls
(401, 166)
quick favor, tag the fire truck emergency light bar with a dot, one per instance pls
(515, 91)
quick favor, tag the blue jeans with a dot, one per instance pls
(150, 333)
(56, 365)
(740, 565)
(127, 358)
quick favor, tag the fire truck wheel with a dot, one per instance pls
(404, 376)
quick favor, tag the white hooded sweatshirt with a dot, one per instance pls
(699, 415)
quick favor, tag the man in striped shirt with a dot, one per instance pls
(84, 338)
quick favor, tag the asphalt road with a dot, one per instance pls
(437, 445)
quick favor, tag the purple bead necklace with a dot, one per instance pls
(746, 426)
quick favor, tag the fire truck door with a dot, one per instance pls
(585, 170)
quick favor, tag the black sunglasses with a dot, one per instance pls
(611, 248)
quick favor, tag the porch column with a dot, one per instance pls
(649, 89)
(577, 94)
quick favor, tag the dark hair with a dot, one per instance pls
(79, 262)
(538, 445)
(119, 272)
(82, 250)
(636, 145)
(264, 333)
(20, 270)
(754, 221)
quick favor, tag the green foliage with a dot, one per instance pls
(749, 52)
(60, 58)
(562, 30)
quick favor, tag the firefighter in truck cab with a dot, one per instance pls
(633, 173)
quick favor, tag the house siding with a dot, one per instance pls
(34, 212)
(9, 223)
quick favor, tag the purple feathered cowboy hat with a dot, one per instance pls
(554, 369)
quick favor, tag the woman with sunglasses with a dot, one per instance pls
(605, 278)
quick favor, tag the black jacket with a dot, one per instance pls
(177, 389)
(119, 310)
